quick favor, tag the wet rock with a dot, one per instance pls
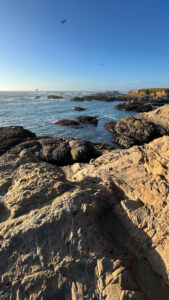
(13, 135)
(54, 97)
(88, 120)
(37, 97)
(134, 106)
(78, 108)
(69, 123)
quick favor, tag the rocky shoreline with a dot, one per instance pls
(81, 220)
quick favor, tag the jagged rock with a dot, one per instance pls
(91, 231)
(134, 106)
(13, 135)
(142, 128)
(54, 97)
(69, 123)
(88, 120)
(79, 108)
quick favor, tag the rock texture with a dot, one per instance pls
(152, 94)
(84, 231)
(142, 128)
(69, 123)
(11, 136)
(88, 120)
(134, 106)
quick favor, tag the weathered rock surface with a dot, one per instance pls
(151, 94)
(88, 120)
(69, 123)
(78, 108)
(13, 135)
(134, 106)
(86, 231)
(54, 97)
(142, 128)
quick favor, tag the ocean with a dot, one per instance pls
(39, 115)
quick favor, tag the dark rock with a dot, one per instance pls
(134, 106)
(106, 97)
(88, 120)
(139, 129)
(54, 97)
(77, 99)
(66, 151)
(13, 135)
(110, 126)
(125, 141)
(69, 123)
(56, 151)
(79, 108)
(82, 151)
(37, 97)
(131, 131)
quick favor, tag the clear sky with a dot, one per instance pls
(104, 45)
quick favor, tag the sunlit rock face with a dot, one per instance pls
(96, 230)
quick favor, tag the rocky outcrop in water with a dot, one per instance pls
(142, 128)
(54, 97)
(69, 123)
(105, 97)
(93, 120)
(84, 231)
(134, 106)
(78, 108)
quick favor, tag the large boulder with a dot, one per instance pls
(13, 135)
(142, 128)
(65, 151)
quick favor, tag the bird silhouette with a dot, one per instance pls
(101, 64)
(63, 21)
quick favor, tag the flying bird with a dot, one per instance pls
(101, 64)
(63, 21)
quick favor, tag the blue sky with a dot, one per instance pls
(104, 45)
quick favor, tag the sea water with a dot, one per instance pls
(39, 115)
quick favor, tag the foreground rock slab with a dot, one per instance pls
(85, 231)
